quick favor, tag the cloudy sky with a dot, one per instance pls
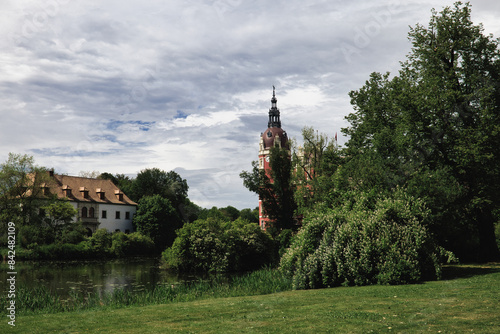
(185, 85)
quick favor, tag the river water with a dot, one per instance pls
(92, 276)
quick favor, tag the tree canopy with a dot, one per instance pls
(157, 219)
(275, 189)
(434, 128)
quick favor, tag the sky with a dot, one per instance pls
(185, 85)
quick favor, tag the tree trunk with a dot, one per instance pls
(488, 249)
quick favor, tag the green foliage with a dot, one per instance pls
(72, 233)
(275, 190)
(100, 242)
(153, 181)
(360, 245)
(314, 164)
(217, 245)
(100, 246)
(20, 190)
(30, 235)
(251, 215)
(129, 245)
(434, 129)
(60, 212)
(123, 182)
(157, 219)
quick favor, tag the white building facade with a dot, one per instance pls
(100, 203)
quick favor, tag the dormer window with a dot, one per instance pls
(119, 195)
(45, 189)
(100, 193)
(84, 192)
(66, 190)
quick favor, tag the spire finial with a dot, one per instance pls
(274, 112)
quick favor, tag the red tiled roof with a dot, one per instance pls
(79, 185)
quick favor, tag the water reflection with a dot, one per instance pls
(92, 276)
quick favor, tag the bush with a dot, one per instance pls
(71, 233)
(57, 252)
(100, 242)
(360, 246)
(134, 244)
(215, 245)
(28, 235)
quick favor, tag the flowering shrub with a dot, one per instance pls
(214, 245)
(357, 245)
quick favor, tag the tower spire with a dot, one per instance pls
(274, 113)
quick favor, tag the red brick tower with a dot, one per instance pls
(274, 135)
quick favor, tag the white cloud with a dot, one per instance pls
(121, 86)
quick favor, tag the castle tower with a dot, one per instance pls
(274, 135)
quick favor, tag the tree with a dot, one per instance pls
(435, 127)
(250, 215)
(275, 190)
(120, 180)
(59, 218)
(314, 164)
(20, 190)
(156, 218)
(153, 181)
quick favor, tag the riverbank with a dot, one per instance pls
(40, 300)
(465, 301)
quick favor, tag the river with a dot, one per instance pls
(92, 276)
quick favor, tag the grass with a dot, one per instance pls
(41, 300)
(465, 301)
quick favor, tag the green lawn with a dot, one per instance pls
(466, 301)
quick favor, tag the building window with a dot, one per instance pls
(91, 212)
(84, 212)
(104, 214)
(100, 193)
(117, 215)
(127, 215)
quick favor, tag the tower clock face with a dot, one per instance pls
(267, 159)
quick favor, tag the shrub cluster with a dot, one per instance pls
(101, 245)
(216, 245)
(359, 245)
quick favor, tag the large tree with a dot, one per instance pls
(435, 128)
(275, 189)
(21, 189)
(154, 181)
(314, 164)
(156, 218)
